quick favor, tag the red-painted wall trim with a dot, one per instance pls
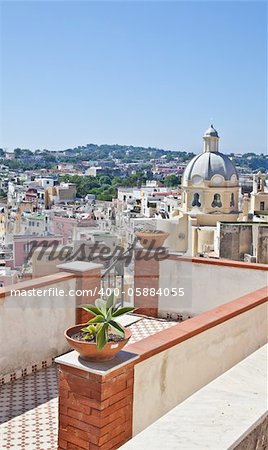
(178, 333)
(36, 283)
(220, 262)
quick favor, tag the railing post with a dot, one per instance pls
(146, 281)
(88, 284)
(95, 402)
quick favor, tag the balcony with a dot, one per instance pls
(165, 365)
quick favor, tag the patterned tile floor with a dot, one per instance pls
(28, 412)
(146, 327)
(29, 405)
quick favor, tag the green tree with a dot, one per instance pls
(17, 153)
(104, 179)
(171, 180)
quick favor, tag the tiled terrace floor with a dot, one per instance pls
(28, 412)
(29, 405)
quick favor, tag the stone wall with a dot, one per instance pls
(235, 241)
(262, 250)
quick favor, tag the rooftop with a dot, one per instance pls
(214, 338)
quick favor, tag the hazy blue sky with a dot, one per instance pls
(140, 73)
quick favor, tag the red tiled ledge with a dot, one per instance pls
(219, 262)
(36, 283)
(178, 333)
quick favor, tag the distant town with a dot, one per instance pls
(105, 167)
(105, 194)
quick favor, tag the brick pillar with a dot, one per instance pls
(88, 278)
(146, 277)
(95, 402)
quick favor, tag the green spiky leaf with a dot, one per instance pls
(117, 328)
(91, 309)
(109, 314)
(102, 337)
(92, 329)
(110, 301)
(97, 319)
(101, 304)
(122, 311)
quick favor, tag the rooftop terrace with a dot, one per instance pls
(29, 404)
(165, 364)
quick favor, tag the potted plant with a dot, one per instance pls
(151, 238)
(102, 337)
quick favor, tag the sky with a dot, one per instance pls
(136, 73)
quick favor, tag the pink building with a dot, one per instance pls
(22, 246)
(65, 225)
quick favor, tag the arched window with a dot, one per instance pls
(196, 201)
(232, 202)
(216, 201)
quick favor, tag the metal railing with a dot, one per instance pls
(113, 277)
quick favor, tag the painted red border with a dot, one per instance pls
(219, 262)
(165, 339)
(36, 283)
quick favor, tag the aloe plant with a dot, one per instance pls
(90, 332)
(104, 320)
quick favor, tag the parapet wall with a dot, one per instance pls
(34, 315)
(207, 283)
(32, 323)
(177, 362)
(180, 287)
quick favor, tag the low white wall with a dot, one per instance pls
(205, 285)
(166, 379)
(32, 327)
(228, 413)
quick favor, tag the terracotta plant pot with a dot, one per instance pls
(152, 240)
(89, 351)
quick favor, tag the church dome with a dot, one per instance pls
(207, 165)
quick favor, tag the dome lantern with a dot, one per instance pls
(211, 140)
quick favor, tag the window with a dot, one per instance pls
(27, 247)
(261, 206)
(232, 202)
(196, 201)
(216, 201)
